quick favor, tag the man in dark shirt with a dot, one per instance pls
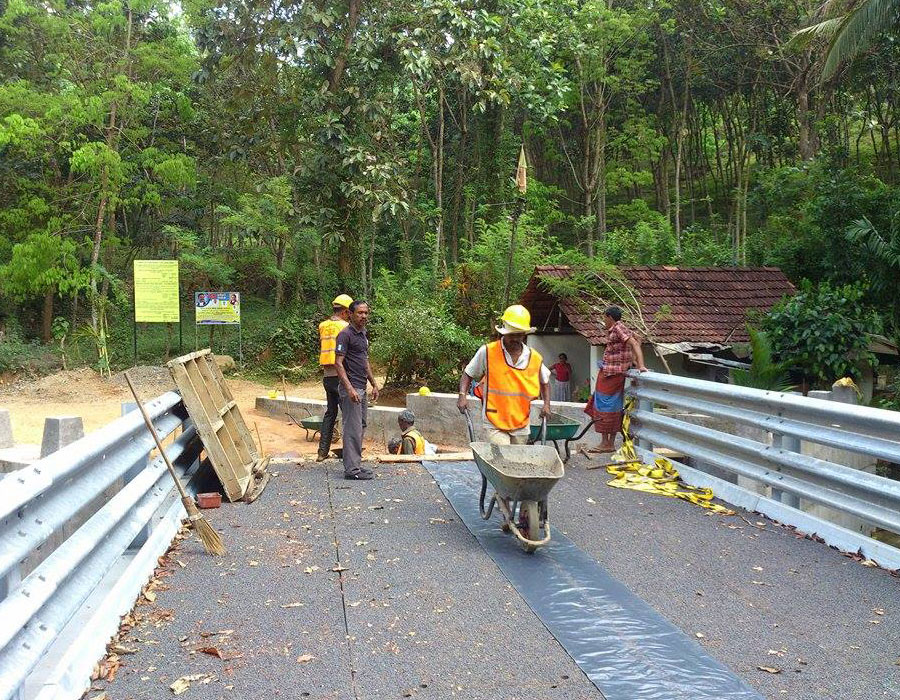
(354, 371)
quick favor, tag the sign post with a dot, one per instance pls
(156, 294)
(219, 309)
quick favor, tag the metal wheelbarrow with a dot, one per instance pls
(311, 424)
(522, 477)
(557, 427)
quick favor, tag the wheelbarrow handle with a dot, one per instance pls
(543, 430)
(469, 425)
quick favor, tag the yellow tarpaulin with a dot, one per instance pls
(156, 291)
(660, 478)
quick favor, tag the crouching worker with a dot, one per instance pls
(511, 374)
(410, 441)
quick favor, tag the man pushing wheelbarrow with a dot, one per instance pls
(510, 376)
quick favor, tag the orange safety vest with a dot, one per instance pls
(328, 333)
(507, 392)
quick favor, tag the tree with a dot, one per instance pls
(823, 331)
(851, 32)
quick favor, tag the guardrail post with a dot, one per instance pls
(12, 579)
(789, 444)
(646, 406)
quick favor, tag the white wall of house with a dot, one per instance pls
(576, 348)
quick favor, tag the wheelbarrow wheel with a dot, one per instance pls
(531, 515)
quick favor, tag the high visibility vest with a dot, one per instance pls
(507, 392)
(419, 440)
(328, 333)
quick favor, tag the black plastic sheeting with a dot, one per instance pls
(626, 648)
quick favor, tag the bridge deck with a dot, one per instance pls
(422, 611)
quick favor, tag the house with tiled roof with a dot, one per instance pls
(697, 315)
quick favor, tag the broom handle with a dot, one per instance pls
(155, 437)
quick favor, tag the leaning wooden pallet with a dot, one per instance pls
(229, 445)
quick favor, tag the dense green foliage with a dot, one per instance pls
(291, 151)
(823, 332)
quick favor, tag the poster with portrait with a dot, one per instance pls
(217, 308)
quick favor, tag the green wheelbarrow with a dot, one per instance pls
(559, 428)
(311, 424)
(522, 477)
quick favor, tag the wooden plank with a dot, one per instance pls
(190, 356)
(237, 419)
(228, 476)
(440, 457)
(225, 436)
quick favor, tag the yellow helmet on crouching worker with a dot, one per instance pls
(516, 319)
(342, 300)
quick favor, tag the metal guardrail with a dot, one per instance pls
(796, 479)
(138, 522)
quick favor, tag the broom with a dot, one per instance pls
(211, 540)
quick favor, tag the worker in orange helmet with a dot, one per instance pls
(328, 332)
(510, 376)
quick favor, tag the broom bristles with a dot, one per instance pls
(212, 541)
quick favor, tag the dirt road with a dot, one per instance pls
(82, 392)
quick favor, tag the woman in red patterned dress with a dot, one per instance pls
(607, 404)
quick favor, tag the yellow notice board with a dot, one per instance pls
(156, 291)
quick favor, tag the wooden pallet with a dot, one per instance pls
(229, 445)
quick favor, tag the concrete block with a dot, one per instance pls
(17, 457)
(817, 394)
(6, 436)
(844, 394)
(381, 420)
(60, 431)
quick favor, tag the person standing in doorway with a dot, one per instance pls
(562, 373)
(354, 372)
(511, 375)
(328, 333)
(606, 405)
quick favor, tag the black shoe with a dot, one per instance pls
(361, 475)
(321, 458)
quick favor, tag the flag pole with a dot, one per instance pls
(522, 186)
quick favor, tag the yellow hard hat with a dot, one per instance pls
(342, 300)
(516, 318)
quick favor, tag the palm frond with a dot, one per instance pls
(826, 28)
(858, 30)
(764, 372)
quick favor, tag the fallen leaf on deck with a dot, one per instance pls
(591, 500)
(769, 669)
(338, 567)
(254, 563)
(150, 596)
(212, 651)
(182, 684)
(305, 658)
(869, 562)
(310, 569)
(121, 649)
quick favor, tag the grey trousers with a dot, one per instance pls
(354, 417)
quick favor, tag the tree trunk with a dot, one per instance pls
(47, 317)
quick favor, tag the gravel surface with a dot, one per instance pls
(419, 610)
(760, 594)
